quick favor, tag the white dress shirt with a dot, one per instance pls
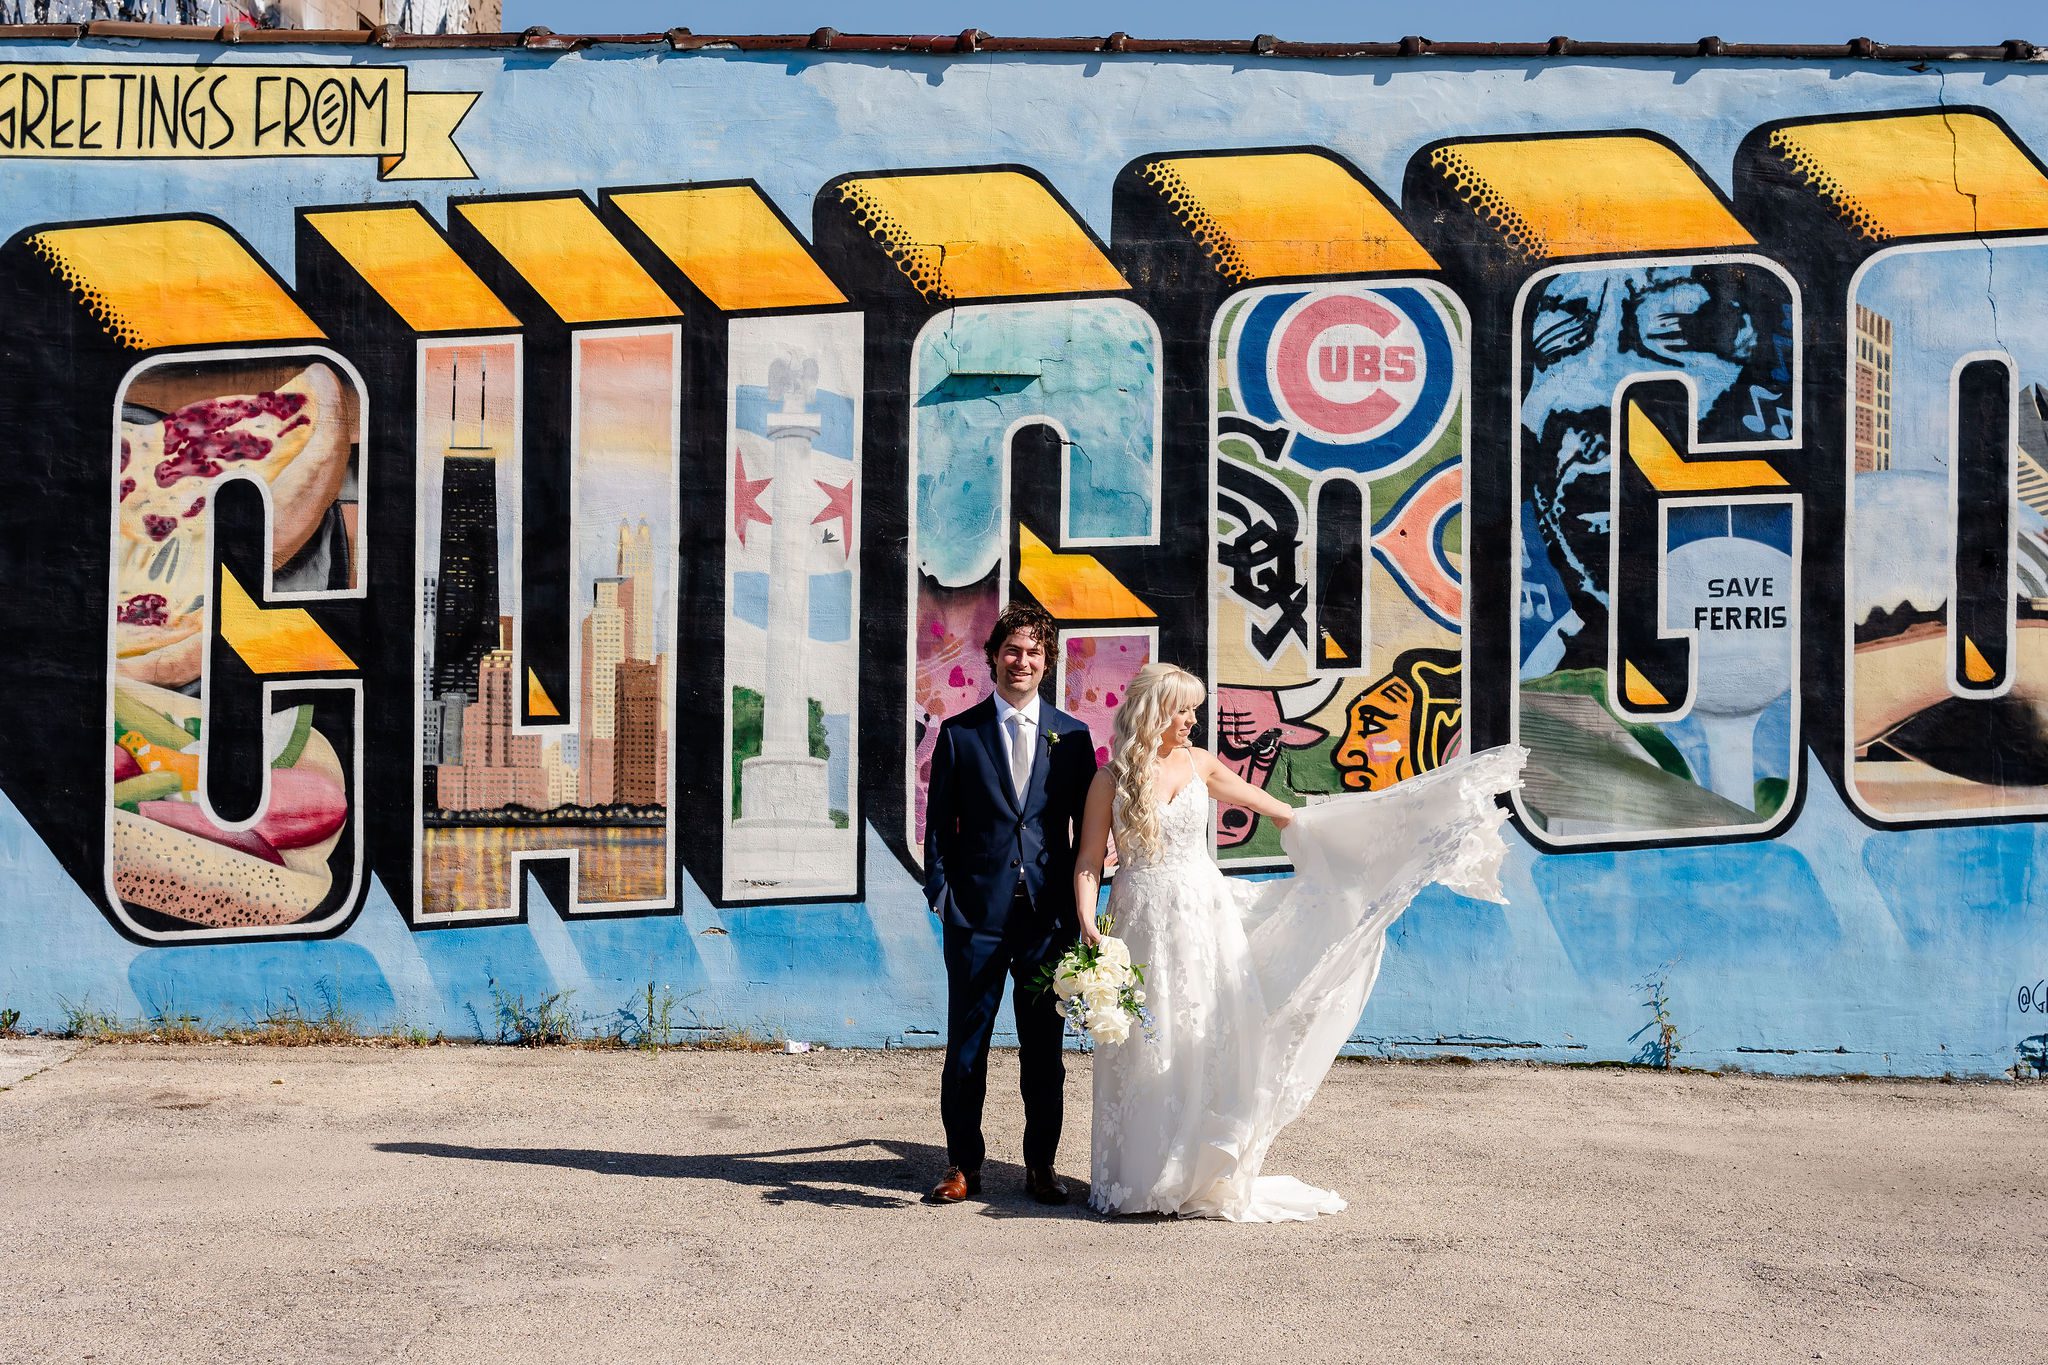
(1019, 729)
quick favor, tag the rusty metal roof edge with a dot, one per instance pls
(973, 41)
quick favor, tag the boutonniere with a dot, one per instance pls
(1052, 737)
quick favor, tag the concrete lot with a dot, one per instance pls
(458, 1204)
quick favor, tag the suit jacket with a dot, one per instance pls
(979, 839)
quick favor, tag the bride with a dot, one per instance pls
(1253, 987)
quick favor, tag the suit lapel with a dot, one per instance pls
(991, 731)
(1041, 758)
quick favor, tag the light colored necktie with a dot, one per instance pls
(1020, 755)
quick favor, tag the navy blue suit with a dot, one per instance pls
(999, 872)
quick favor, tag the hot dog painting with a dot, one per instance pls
(170, 855)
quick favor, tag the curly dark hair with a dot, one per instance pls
(1020, 616)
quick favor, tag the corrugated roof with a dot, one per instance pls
(972, 41)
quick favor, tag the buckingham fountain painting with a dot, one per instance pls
(792, 556)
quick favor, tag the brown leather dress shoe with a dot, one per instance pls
(1042, 1184)
(955, 1186)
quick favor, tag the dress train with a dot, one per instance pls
(1254, 987)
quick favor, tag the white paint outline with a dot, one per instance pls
(359, 550)
(2000, 813)
(1543, 839)
(1447, 301)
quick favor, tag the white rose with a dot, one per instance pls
(1116, 952)
(1066, 985)
(1113, 1027)
(1101, 998)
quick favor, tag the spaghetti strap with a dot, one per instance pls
(1193, 772)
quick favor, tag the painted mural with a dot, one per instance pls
(193, 843)
(1655, 604)
(793, 597)
(438, 523)
(1338, 458)
(1946, 434)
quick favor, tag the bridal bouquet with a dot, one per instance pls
(1101, 991)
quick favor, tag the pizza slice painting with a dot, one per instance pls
(295, 438)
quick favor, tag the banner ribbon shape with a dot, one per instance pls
(173, 111)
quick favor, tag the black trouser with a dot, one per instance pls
(976, 963)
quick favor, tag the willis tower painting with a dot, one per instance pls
(466, 591)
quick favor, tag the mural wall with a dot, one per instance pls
(459, 538)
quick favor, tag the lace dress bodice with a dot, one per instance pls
(1183, 828)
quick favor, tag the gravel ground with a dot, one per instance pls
(466, 1203)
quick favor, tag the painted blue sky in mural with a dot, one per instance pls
(981, 372)
(1954, 295)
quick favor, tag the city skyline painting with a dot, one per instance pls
(586, 780)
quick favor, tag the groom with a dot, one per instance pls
(1008, 780)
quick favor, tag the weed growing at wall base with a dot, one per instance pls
(647, 1022)
(81, 1020)
(167, 1023)
(547, 1020)
(1662, 1045)
(718, 1038)
(289, 1025)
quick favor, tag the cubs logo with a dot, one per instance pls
(1362, 378)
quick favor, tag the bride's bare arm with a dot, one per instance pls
(1088, 856)
(1232, 790)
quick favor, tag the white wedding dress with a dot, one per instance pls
(1255, 986)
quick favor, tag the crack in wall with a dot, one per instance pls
(1976, 219)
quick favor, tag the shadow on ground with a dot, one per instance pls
(869, 1173)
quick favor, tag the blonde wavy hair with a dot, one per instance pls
(1149, 704)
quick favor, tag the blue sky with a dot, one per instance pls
(1805, 21)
